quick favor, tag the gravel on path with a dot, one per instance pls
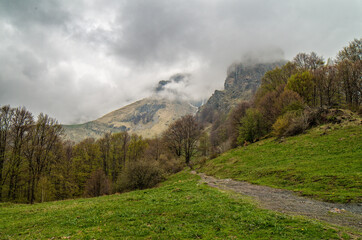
(286, 201)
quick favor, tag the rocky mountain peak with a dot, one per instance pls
(241, 83)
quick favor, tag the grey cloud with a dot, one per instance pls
(28, 13)
(174, 86)
(156, 30)
(77, 60)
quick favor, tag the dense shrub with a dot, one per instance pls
(290, 101)
(140, 175)
(291, 123)
(97, 184)
(269, 106)
(234, 121)
(252, 127)
(281, 124)
(170, 164)
(296, 122)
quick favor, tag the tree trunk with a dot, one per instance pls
(2, 157)
(32, 191)
(11, 184)
(15, 190)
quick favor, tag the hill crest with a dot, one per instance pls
(148, 117)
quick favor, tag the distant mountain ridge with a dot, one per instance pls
(147, 117)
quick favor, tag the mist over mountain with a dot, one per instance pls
(77, 60)
(169, 101)
(148, 117)
(241, 83)
(174, 86)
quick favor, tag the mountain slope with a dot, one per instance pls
(147, 117)
(241, 83)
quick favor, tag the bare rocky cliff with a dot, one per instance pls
(241, 83)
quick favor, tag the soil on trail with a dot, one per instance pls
(285, 201)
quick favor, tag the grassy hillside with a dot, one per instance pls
(181, 208)
(325, 163)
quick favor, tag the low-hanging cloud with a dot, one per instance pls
(77, 60)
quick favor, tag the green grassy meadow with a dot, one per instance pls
(325, 163)
(181, 208)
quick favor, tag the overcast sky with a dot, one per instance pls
(79, 59)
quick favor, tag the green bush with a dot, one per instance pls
(252, 127)
(294, 106)
(291, 123)
(280, 125)
(302, 83)
(140, 174)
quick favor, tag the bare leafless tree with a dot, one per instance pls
(182, 137)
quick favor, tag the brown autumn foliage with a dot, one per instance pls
(97, 185)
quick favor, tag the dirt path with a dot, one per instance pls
(285, 201)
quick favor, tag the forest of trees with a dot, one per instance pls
(36, 165)
(27, 149)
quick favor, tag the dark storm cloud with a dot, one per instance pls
(77, 60)
(173, 87)
(158, 30)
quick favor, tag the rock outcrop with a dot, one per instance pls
(241, 83)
